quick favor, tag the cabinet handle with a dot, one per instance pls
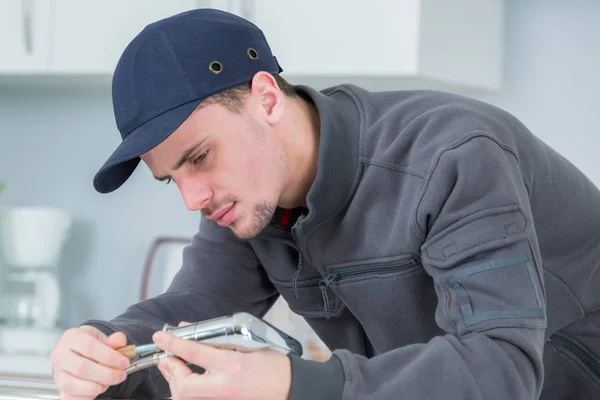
(27, 11)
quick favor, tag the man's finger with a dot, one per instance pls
(91, 348)
(73, 387)
(116, 340)
(196, 353)
(186, 384)
(172, 367)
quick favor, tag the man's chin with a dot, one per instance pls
(245, 232)
(243, 235)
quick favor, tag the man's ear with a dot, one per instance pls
(265, 89)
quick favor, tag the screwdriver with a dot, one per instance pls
(134, 352)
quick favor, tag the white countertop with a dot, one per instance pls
(26, 377)
(27, 389)
(35, 366)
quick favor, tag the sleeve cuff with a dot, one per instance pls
(316, 380)
(100, 325)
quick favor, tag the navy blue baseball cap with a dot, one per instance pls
(167, 70)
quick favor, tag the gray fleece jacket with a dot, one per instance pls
(446, 253)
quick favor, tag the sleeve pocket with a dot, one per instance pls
(479, 232)
(505, 287)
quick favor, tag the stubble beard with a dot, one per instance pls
(261, 216)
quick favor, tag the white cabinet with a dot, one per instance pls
(382, 44)
(90, 36)
(74, 37)
(387, 42)
(24, 36)
(379, 44)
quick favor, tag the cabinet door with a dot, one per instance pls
(90, 36)
(382, 44)
(24, 36)
(340, 37)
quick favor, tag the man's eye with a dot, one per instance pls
(200, 158)
(169, 180)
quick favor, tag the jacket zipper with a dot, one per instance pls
(563, 345)
(337, 274)
(300, 265)
(293, 243)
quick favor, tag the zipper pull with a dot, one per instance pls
(323, 285)
(332, 277)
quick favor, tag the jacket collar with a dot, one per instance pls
(337, 170)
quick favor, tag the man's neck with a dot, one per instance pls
(301, 134)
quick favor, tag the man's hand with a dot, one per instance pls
(264, 374)
(85, 362)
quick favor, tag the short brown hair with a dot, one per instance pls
(233, 99)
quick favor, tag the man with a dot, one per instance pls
(438, 247)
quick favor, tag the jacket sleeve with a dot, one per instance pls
(220, 275)
(481, 250)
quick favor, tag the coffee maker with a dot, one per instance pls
(31, 242)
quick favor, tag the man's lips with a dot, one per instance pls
(219, 213)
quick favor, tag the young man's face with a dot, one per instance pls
(232, 166)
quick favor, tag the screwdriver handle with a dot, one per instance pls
(128, 351)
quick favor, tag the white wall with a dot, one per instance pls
(552, 75)
(53, 140)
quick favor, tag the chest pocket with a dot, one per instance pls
(301, 291)
(305, 297)
(393, 298)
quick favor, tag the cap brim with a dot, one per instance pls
(123, 161)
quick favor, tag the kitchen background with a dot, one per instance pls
(54, 134)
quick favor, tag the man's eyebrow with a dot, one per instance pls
(184, 157)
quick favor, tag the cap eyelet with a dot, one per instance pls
(253, 54)
(215, 67)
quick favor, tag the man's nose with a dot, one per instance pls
(196, 195)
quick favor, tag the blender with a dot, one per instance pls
(31, 240)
